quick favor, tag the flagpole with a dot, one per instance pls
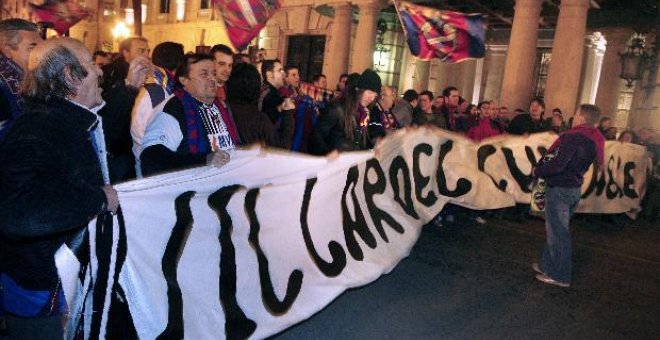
(398, 14)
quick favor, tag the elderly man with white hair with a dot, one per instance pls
(53, 181)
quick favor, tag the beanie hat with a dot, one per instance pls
(369, 80)
(352, 79)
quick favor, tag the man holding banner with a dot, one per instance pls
(563, 168)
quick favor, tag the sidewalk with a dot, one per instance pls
(475, 282)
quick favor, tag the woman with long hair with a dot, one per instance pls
(348, 124)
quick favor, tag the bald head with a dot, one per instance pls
(63, 68)
(387, 97)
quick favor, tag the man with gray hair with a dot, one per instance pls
(53, 181)
(17, 38)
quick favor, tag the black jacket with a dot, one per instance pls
(254, 126)
(523, 123)
(50, 188)
(117, 127)
(328, 134)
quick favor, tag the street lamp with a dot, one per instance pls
(632, 60)
(121, 31)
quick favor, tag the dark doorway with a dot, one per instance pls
(306, 52)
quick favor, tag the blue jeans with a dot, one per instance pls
(557, 256)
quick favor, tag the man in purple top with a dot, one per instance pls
(563, 168)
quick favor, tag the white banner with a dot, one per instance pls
(263, 243)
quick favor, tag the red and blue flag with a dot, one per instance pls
(447, 35)
(245, 18)
(63, 14)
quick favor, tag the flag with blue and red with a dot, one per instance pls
(245, 18)
(447, 35)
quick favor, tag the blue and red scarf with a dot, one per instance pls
(10, 83)
(196, 135)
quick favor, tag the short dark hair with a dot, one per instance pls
(125, 45)
(244, 84)
(183, 70)
(48, 78)
(99, 54)
(604, 119)
(410, 95)
(318, 77)
(343, 75)
(222, 48)
(481, 104)
(288, 68)
(447, 91)
(556, 109)
(10, 28)
(168, 55)
(427, 93)
(268, 66)
(539, 101)
(590, 112)
(238, 58)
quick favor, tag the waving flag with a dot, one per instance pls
(63, 14)
(450, 36)
(245, 18)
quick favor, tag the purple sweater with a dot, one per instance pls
(566, 165)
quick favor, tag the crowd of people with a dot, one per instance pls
(73, 123)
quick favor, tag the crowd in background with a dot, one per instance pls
(73, 123)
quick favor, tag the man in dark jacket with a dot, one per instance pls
(116, 71)
(563, 168)
(272, 72)
(193, 129)
(52, 183)
(254, 126)
(531, 122)
(17, 38)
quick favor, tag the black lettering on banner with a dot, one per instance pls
(483, 153)
(612, 189)
(329, 269)
(399, 165)
(359, 224)
(104, 238)
(629, 180)
(169, 263)
(378, 188)
(463, 185)
(237, 324)
(597, 182)
(420, 180)
(524, 181)
(294, 283)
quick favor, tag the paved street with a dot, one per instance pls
(475, 282)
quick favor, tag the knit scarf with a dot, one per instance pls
(196, 134)
(590, 132)
(362, 117)
(10, 84)
(163, 78)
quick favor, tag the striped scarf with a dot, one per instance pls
(196, 134)
(10, 84)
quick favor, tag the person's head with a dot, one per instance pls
(223, 58)
(241, 58)
(369, 86)
(133, 47)
(387, 97)
(470, 110)
(411, 96)
(63, 68)
(438, 102)
(320, 80)
(292, 76)
(244, 85)
(605, 123)
(627, 136)
(101, 58)
(610, 134)
(645, 135)
(341, 85)
(556, 111)
(17, 39)
(261, 56)
(536, 108)
(586, 114)
(452, 96)
(168, 55)
(426, 101)
(484, 108)
(273, 72)
(197, 75)
(503, 112)
(557, 119)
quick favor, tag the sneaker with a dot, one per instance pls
(535, 267)
(546, 279)
(480, 220)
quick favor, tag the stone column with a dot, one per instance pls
(593, 63)
(607, 97)
(339, 44)
(567, 51)
(152, 11)
(494, 71)
(192, 8)
(517, 85)
(365, 36)
(171, 15)
(422, 69)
